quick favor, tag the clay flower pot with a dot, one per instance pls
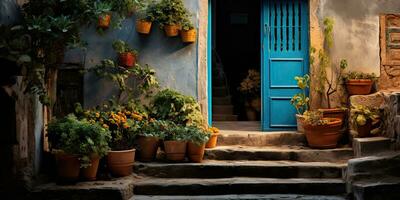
(171, 30)
(121, 163)
(90, 173)
(251, 114)
(300, 123)
(334, 113)
(143, 27)
(68, 167)
(127, 59)
(148, 147)
(189, 36)
(175, 150)
(359, 87)
(104, 21)
(324, 136)
(196, 152)
(212, 142)
(364, 131)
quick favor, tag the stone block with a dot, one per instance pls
(375, 100)
(370, 146)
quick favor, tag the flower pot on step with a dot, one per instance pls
(359, 86)
(251, 114)
(127, 59)
(364, 131)
(300, 123)
(68, 168)
(90, 173)
(143, 27)
(104, 21)
(196, 152)
(120, 163)
(175, 150)
(189, 36)
(148, 147)
(324, 136)
(171, 30)
(212, 142)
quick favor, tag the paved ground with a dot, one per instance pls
(225, 197)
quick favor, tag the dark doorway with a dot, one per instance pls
(236, 50)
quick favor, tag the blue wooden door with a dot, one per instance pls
(285, 55)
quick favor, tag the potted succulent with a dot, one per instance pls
(78, 144)
(363, 118)
(175, 142)
(198, 138)
(149, 137)
(102, 10)
(188, 32)
(250, 88)
(145, 18)
(301, 101)
(126, 55)
(172, 13)
(212, 142)
(359, 83)
(321, 132)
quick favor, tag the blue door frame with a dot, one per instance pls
(284, 55)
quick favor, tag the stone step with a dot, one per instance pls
(258, 138)
(382, 189)
(222, 109)
(293, 153)
(217, 117)
(244, 196)
(221, 100)
(229, 169)
(220, 92)
(243, 185)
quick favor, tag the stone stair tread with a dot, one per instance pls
(245, 196)
(283, 148)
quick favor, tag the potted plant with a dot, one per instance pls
(188, 32)
(359, 83)
(102, 10)
(130, 6)
(78, 144)
(149, 137)
(363, 118)
(250, 88)
(212, 142)
(321, 132)
(198, 138)
(172, 13)
(126, 55)
(175, 142)
(145, 18)
(301, 101)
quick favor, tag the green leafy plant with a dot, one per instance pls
(79, 137)
(361, 115)
(171, 12)
(301, 101)
(154, 128)
(122, 47)
(148, 12)
(314, 118)
(359, 75)
(174, 106)
(175, 132)
(198, 135)
(101, 8)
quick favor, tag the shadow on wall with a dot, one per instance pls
(9, 10)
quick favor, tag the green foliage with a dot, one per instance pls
(79, 137)
(171, 12)
(301, 101)
(122, 47)
(360, 115)
(198, 135)
(187, 24)
(175, 132)
(171, 105)
(328, 31)
(149, 11)
(154, 128)
(358, 76)
(314, 118)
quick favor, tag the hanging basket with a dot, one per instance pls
(143, 27)
(171, 30)
(189, 36)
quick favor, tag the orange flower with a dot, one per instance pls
(105, 126)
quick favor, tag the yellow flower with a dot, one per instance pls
(97, 114)
(126, 125)
(137, 117)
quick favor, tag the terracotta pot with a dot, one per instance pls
(175, 150)
(171, 30)
(127, 59)
(196, 152)
(148, 147)
(359, 87)
(324, 136)
(251, 114)
(256, 104)
(104, 21)
(212, 142)
(143, 27)
(300, 123)
(189, 36)
(121, 163)
(90, 173)
(334, 113)
(68, 167)
(364, 131)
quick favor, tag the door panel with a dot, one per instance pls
(285, 55)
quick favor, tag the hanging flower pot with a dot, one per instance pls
(127, 59)
(121, 163)
(175, 150)
(68, 167)
(148, 147)
(324, 136)
(104, 21)
(171, 30)
(196, 152)
(143, 26)
(189, 36)
(359, 86)
(90, 173)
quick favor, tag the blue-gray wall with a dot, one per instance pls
(8, 11)
(175, 63)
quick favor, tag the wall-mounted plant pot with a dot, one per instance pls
(189, 36)
(334, 113)
(300, 123)
(364, 131)
(148, 147)
(212, 142)
(196, 152)
(68, 168)
(324, 136)
(90, 173)
(171, 30)
(359, 87)
(104, 21)
(120, 163)
(143, 27)
(175, 150)
(127, 59)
